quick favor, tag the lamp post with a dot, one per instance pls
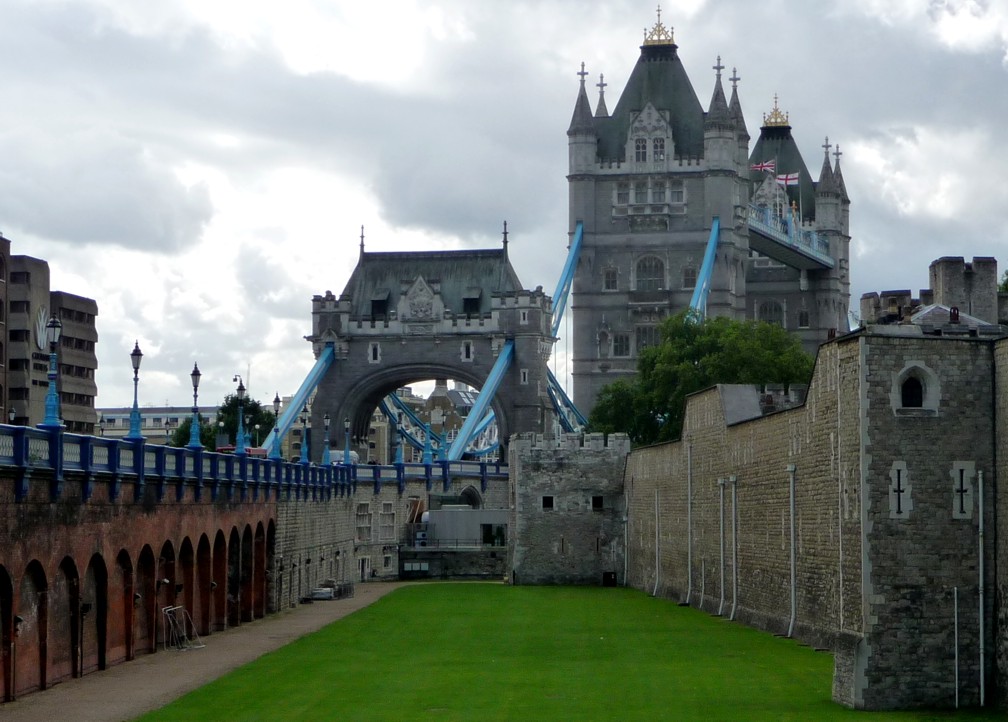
(134, 431)
(399, 440)
(275, 454)
(240, 433)
(304, 434)
(326, 460)
(346, 441)
(10, 415)
(194, 430)
(257, 435)
(52, 420)
(168, 431)
(427, 455)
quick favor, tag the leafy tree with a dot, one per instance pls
(254, 411)
(695, 354)
(1003, 286)
(180, 437)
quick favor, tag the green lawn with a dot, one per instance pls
(459, 651)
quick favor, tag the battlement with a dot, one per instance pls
(616, 444)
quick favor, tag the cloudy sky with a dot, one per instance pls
(202, 168)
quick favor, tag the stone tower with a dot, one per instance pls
(646, 182)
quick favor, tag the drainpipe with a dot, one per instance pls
(734, 544)
(981, 586)
(689, 521)
(657, 551)
(721, 483)
(794, 574)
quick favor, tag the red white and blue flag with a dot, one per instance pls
(768, 166)
(788, 179)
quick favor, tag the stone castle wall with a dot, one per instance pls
(567, 510)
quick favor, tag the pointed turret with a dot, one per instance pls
(581, 121)
(838, 176)
(600, 110)
(776, 145)
(827, 183)
(717, 113)
(735, 107)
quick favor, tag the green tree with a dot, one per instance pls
(227, 413)
(695, 354)
(1003, 286)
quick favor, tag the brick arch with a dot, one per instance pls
(6, 636)
(122, 610)
(145, 601)
(234, 578)
(259, 572)
(219, 583)
(94, 605)
(164, 588)
(273, 578)
(186, 576)
(204, 589)
(64, 616)
(246, 593)
(31, 623)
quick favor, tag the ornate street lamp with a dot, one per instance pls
(52, 420)
(240, 433)
(194, 429)
(346, 438)
(326, 460)
(275, 454)
(304, 434)
(134, 431)
(399, 440)
(257, 435)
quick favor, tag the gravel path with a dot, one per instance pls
(128, 690)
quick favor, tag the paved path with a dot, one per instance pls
(128, 690)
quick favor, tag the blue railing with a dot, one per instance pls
(785, 231)
(153, 470)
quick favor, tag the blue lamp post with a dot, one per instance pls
(346, 441)
(52, 416)
(134, 431)
(326, 459)
(240, 433)
(275, 453)
(194, 429)
(304, 434)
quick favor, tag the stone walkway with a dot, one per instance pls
(128, 690)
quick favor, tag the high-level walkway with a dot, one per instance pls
(126, 691)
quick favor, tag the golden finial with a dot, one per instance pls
(776, 117)
(658, 35)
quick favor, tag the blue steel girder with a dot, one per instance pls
(781, 239)
(487, 392)
(566, 278)
(564, 406)
(698, 302)
(308, 386)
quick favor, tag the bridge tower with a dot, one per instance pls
(647, 181)
(409, 316)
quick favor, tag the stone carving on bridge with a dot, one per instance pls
(420, 303)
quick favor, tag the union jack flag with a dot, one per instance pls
(768, 166)
(788, 179)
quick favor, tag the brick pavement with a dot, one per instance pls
(125, 691)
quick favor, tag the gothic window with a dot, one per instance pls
(659, 148)
(374, 352)
(623, 194)
(603, 344)
(689, 277)
(610, 280)
(803, 319)
(640, 150)
(621, 345)
(650, 274)
(771, 312)
(677, 193)
(912, 393)
(647, 336)
(658, 192)
(640, 193)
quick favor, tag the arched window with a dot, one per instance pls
(650, 274)
(640, 150)
(659, 148)
(771, 312)
(689, 277)
(912, 393)
(603, 344)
